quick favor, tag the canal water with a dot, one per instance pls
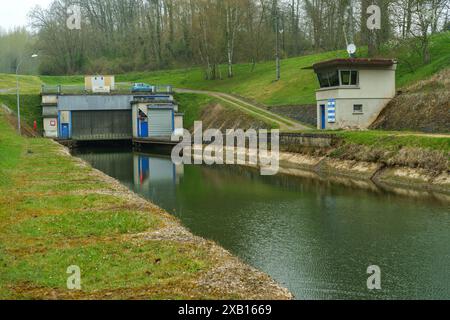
(314, 237)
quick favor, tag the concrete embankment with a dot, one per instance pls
(390, 166)
(56, 211)
(369, 175)
(389, 162)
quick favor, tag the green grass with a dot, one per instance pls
(110, 266)
(85, 224)
(28, 84)
(259, 114)
(192, 106)
(30, 107)
(296, 85)
(395, 140)
(56, 212)
(10, 149)
(411, 69)
(63, 80)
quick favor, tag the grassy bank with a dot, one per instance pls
(388, 148)
(389, 140)
(192, 106)
(392, 150)
(411, 68)
(30, 107)
(395, 149)
(55, 212)
(28, 84)
(199, 107)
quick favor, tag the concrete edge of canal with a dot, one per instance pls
(376, 176)
(370, 175)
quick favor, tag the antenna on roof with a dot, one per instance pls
(351, 49)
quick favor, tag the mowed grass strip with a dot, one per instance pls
(10, 149)
(395, 140)
(86, 224)
(106, 267)
(48, 223)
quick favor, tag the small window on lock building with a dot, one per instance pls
(358, 108)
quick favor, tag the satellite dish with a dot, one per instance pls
(351, 49)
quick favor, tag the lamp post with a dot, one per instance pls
(18, 94)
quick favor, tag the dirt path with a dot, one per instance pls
(286, 124)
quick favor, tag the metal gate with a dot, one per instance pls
(101, 125)
(160, 122)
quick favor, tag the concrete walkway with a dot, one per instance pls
(285, 124)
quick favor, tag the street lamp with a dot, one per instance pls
(18, 93)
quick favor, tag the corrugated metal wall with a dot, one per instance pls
(95, 102)
(160, 123)
(101, 125)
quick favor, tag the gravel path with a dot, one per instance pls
(286, 124)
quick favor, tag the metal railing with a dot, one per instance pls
(120, 88)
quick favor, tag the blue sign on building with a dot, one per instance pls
(332, 111)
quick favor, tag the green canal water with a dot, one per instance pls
(314, 237)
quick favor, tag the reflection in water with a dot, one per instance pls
(155, 170)
(156, 177)
(315, 237)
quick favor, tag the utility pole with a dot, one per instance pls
(277, 39)
(19, 126)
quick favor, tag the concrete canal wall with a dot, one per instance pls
(315, 157)
(399, 179)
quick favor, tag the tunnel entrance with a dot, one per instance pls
(101, 125)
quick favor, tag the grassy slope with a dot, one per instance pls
(28, 84)
(192, 105)
(423, 106)
(395, 149)
(296, 87)
(30, 107)
(396, 140)
(411, 69)
(56, 212)
(38, 214)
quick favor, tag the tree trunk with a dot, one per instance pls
(277, 41)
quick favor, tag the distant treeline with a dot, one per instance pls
(136, 35)
(14, 45)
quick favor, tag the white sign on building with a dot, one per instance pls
(332, 111)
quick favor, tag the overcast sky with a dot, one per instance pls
(14, 13)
